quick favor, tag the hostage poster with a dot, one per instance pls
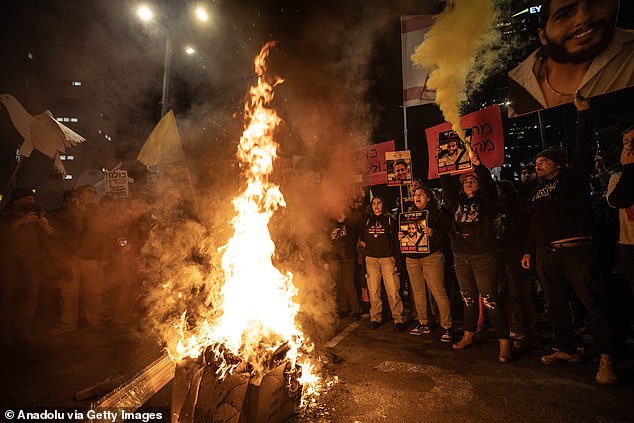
(411, 236)
(399, 167)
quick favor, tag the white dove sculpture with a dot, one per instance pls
(40, 132)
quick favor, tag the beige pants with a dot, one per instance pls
(386, 267)
(429, 273)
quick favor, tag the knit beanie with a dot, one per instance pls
(555, 153)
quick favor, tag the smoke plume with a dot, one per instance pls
(460, 49)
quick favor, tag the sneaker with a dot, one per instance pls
(560, 357)
(420, 329)
(606, 374)
(400, 327)
(374, 325)
(447, 335)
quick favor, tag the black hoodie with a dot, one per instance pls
(380, 236)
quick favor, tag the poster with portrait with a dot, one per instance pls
(452, 153)
(399, 167)
(487, 138)
(411, 236)
(570, 47)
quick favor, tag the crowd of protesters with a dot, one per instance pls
(84, 253)
(502, 241)
(491, 245)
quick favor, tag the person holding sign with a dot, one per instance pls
(426, 270)
(472, 237)
(380, 242)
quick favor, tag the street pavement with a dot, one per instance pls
(387, 376)
(382, 376)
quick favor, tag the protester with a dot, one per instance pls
(621, 194)
(380, 242)
(88, 258)
(561, 228)
(344, 236)
(473, 243)
(511, 229)
(426, 270)
(23, 232)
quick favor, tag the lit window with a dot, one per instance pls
(68, 177)
(76, 83)
(74, 120)
(30, 55)
(62, 157)
(70, 157)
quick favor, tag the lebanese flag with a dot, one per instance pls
(413, 29)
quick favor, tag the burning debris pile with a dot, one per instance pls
(202, 393)
(246, 357)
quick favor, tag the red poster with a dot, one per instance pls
(372, 159)
(487, 141)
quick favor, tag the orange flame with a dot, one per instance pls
(258, 312)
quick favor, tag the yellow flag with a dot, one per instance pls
(164, 143)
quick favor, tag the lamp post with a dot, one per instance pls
(167, 63)
(146, 14)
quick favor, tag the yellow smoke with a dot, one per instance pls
(451, 50)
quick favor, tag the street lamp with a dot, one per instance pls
(146, 14)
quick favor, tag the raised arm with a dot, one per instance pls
(585, 145)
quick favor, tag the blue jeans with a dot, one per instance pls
(476, 276)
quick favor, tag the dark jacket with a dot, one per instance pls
(560, 207)
(472, 229)
(344, 237)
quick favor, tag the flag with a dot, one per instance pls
(413, 30)
(163, 146)
(487, 139)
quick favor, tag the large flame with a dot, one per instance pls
(257, 312)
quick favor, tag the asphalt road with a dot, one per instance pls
(386, 376)
(382, 375)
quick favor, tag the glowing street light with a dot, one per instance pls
(201, 14)
(145, 13)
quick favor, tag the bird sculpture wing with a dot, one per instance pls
(41, 132)
(22, 121)
(71, 138)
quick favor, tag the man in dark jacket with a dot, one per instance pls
(561, 225)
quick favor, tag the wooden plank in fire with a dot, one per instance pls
(133, 394)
